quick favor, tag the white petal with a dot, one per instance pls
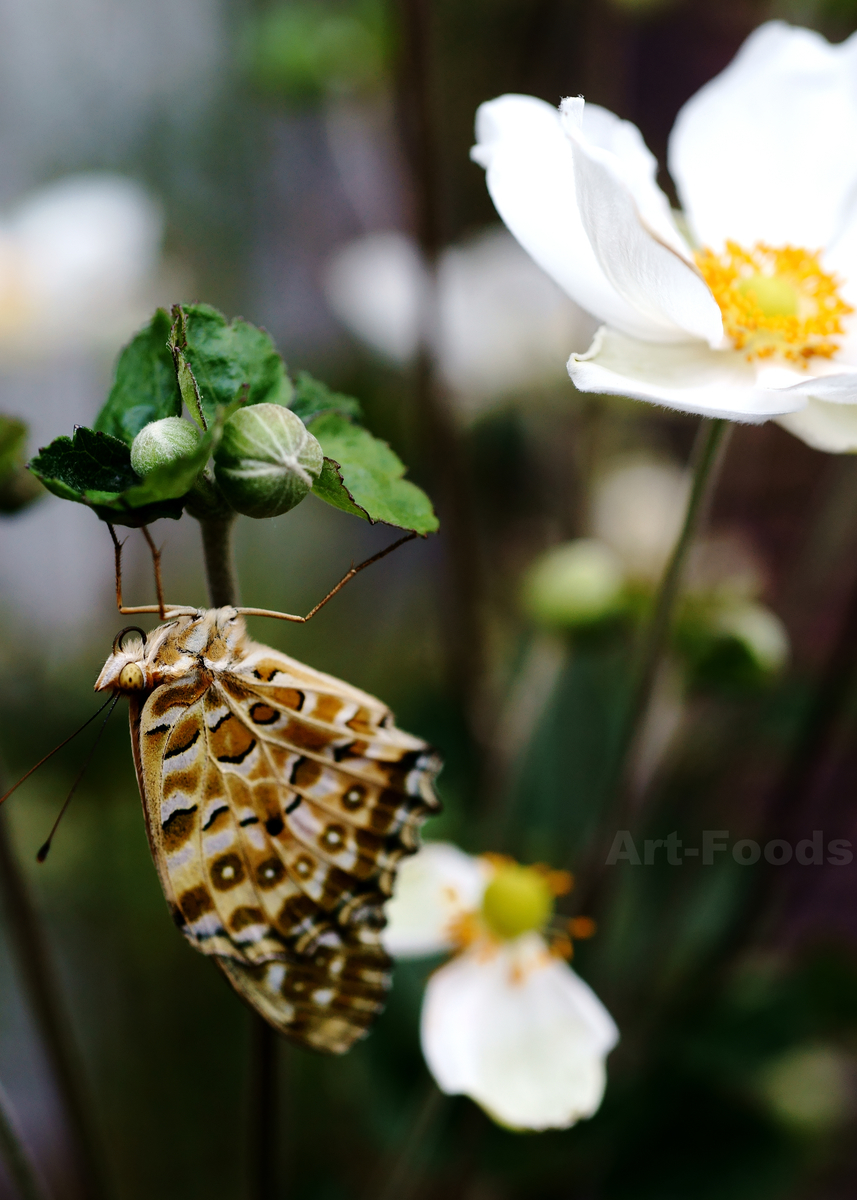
(434, 889)
(516, 1030)
(825, 426)
(530, 174)
(690, 377)
(838, 387)
(652, 273)
(765, 150)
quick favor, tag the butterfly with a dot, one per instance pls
(278, 803)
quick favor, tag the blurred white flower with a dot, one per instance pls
(500, 324)
(637, 507)
(759, 322)
(78, 263)
(506, 1021)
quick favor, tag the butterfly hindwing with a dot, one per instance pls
(278, 803)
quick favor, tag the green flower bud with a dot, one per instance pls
(161, 443)
(578, 583)
(267, 460)
(741, 645)
(760, 632)
(517, 900)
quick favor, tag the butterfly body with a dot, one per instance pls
(278, 803)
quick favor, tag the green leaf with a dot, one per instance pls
(13, 442)
(17, 486)
(228, 361)
(87, 461)
(145, 388)
(312, 398)
(95, 469)
(362, 475)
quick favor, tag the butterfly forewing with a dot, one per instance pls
(278, 803)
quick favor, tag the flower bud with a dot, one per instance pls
(760, 632)
(161, 442)
(516, 900)
(578, 583)
(738, 646)
(267, 460)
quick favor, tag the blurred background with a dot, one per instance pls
(304, 163)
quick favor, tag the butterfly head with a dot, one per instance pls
(194, 641)
(127, 669)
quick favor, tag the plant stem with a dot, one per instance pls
(707, 456)
(263, 1111)
(399, 1184)
(16, 1156)
(262, 1117)
(33, 960)
(219, 560)
(460, 610)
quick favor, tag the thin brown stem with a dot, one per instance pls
(19, 1162)
(460, 612)
(156, 564)
(400, 1180)
(349, 575)
(43, 991)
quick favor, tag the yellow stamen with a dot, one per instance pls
(776, 301)
(581, 927)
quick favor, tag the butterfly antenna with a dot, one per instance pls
(51, 753)
(346, 578)
(43, 852)
(156, 563)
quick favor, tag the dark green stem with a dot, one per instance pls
(711, 441)
(33, 960)
(706, 459)
(219, 560)
(16, 1156)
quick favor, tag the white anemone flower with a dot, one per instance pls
(506, 1021)
(78, 261)
(747, 314)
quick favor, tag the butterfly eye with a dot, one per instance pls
(131, 678)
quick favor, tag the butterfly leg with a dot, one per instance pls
(156, 563)
(346, 578)
(160, 608)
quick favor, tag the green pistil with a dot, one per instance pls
(517, 900)
(774, 296)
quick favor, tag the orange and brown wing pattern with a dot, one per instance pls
(356, 789)
(278, 803)
(326, 999)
